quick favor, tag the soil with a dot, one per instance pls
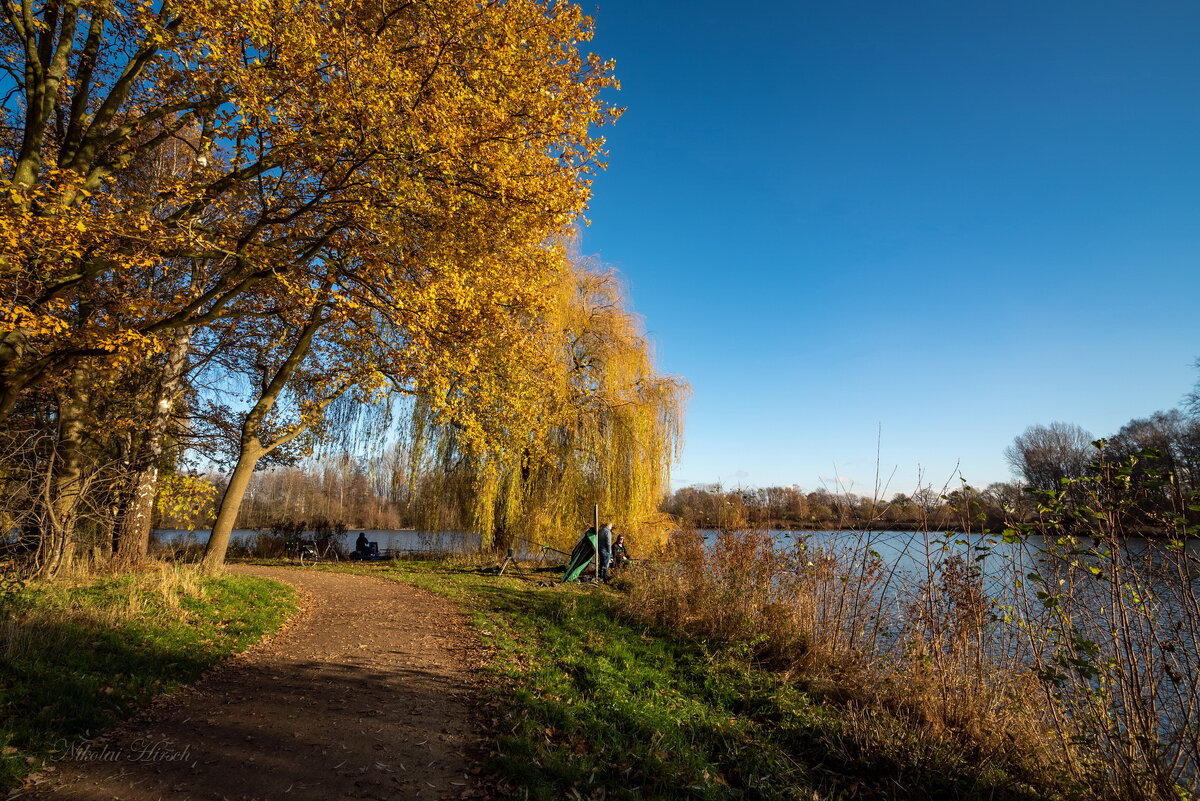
(366, 694)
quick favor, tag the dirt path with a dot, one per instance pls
(364, 696)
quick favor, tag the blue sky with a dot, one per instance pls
(920, 226)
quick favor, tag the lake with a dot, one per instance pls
(396, 541)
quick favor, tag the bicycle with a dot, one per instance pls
(309, 553)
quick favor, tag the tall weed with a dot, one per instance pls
(907, 657)
(1060, 653)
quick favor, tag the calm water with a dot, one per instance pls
(404, 540)
(409, 541)
(909, 552)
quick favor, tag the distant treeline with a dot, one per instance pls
(1151, 465)
(365, 493)
(965, 508)
(1154, 462)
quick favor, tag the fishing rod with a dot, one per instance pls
(541, 545)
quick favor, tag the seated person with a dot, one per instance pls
(364, 548)
(620, 554)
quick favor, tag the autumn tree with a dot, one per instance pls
(709, 506)
(295, 112)
(416, 157)
(584, 419)
(1166, 442)
(1007, 499)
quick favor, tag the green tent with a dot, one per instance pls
(582, 556)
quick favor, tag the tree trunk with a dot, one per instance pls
(253, 448)
(64, 482)
(133, 530)
(13, 345)
(231, 504)
(133, 538)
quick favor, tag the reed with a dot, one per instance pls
(908, 660)
(1055, 660)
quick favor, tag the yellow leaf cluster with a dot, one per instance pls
(184, 499)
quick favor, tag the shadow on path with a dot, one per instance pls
(367, 695)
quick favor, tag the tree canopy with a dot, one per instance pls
(172, 164)
(1045, 455)
(335, 200)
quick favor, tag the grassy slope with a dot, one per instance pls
(78, 659)
(589, 706)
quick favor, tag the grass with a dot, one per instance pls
(586, 703)
(78, 657)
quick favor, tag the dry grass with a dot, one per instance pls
(937, 661)
(64, 606)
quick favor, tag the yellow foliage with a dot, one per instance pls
(184, 499)
(235, 157)
(577, 416)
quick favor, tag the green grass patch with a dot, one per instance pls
(589, 705)
(75, 660)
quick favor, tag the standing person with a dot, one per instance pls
(604, 548)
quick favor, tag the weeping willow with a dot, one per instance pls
(526, 446)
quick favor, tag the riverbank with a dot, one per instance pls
(737, 670)
(79, 656)
(586, 700)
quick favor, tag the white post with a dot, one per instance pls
(597, 530)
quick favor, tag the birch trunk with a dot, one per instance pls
(133, 535)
